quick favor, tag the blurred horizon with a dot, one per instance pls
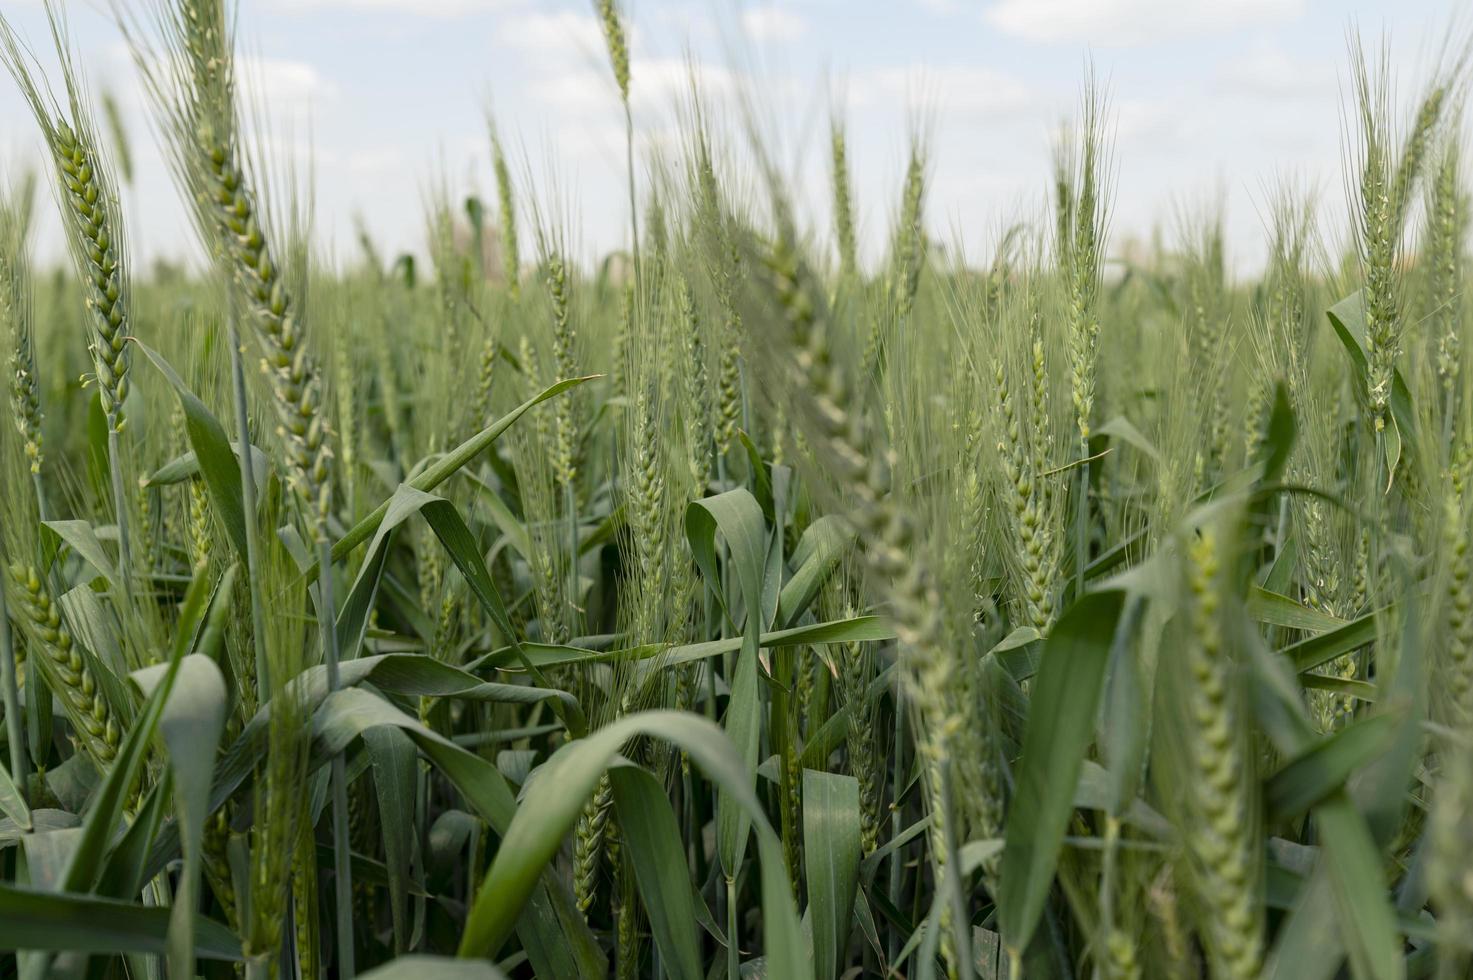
(373, 104)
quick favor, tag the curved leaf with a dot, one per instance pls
(106, 812)
(193, 720)
(433, 968)
(554, 801)
(819, 551)
(1324, 767)
(186, 467)
(547, 923)
(214, 454)
(447, 466)
(411, 675)
(84, 541)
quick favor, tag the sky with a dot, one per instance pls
(376, 103)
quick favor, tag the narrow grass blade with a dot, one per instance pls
(70, 923)
(1316, 651)
(1323, 769)
(859, 629)
(1061, 720)
(12, 803)
(419, 967)
(831, 850)
(393, 757)
(648, 828)
(447, 466)
(738, 517)
(549, 921)
(552, 805)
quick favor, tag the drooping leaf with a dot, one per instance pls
(214, 454)
(551, 807)
(84, 541)
(548, 924)
(108, 804)
(465, 552)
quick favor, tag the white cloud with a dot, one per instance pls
(429, 8)
(950, 88)
(1132, 22)
(376, 162)
(277, 82)
(769, 24)
(578, 90)
(566, 66)
(274, 89)
(1160, 125)
(1267, 70)
(564, 36)
(593, 141)
(656, 84)
(685, 23)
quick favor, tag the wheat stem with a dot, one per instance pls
(342, 869)
(10, 690)
(248, 500)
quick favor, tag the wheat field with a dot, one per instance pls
(735, 607)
